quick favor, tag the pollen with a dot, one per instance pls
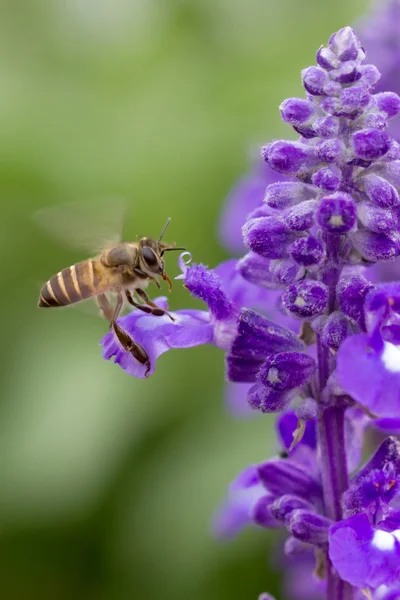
(299, 301)
(336, 221)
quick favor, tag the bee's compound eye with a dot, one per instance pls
(149, 257)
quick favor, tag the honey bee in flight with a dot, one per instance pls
(125, 269)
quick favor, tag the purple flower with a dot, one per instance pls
(365, 546)
(304, 332)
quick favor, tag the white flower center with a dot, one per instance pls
(391, 357)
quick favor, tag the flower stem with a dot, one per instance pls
(331, 439)
(335, 482)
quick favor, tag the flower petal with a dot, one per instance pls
(363, 556)
(371, 376)
(157, 335)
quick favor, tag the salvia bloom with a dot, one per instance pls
(307, 334)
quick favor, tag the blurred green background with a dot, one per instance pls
(108, 484)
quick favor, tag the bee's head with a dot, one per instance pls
(151, 254)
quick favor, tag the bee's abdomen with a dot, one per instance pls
(70, 285)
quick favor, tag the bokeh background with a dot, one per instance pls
(108, 484)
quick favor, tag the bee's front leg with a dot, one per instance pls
(153, 309)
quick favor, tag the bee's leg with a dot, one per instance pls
(150, 310)
(142, 294)
(129, 345)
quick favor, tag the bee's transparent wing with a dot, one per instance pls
(88, 225)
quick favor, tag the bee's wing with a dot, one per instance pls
(89, 225)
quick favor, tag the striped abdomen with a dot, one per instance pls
(71, 285)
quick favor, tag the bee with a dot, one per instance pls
(124, 269)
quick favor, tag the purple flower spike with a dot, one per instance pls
(306, 298)
(324, 348)
(337, 213)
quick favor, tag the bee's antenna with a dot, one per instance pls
(164, 229)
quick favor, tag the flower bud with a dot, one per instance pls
(266, 399)
(288, 157)
(354, 98)
(330, 150)
(369, 75)
(284, 506)
(267, 236)
(337, 213)
(242, 370)
(375, 218)
(335, 330)
(255, 269)
(285, 271)
(379, 191)
(375, 246)
(389, 103)
(262, 514)
(306, 298)
(286, 370)
(345, 45)
(301, 216)
(314, 80)
(327, 178)
(307, 251)
(286, 193)
(257, 337)
(351, 293)
(296, 111)
(326, 127)
(309, 527)
(370, 144)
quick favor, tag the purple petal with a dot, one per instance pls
(369, 376)
(281, 476)
(205, 284)
(363, 556)
(158, 335)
